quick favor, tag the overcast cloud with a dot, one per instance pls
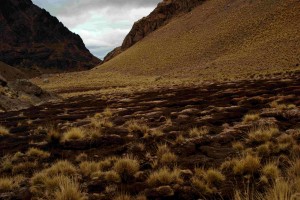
(102, 24)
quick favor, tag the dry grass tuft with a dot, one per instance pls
(198, 132)
(262, 133)
(68, 189)
(248, 165)
(10, 184)
(164, 176)
(161, 150)
(3, 131)
(239, 146)
(73, 134)
(37, 153)
(214, 177)
(139, 128)
(271, 171)
(168, 158)
(201, 187)
(87, 168)
(53, 135)
(250, 118)
(126, 167)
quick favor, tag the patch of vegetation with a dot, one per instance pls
(198, 132)
(3, 131)
(164, 176)
(126, 167)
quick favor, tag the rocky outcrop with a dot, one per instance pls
(33, 39)
(21, 94)
(17, 93)
(162, 14)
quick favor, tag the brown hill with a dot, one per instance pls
(161, 15)
(10, 73)
(33, 39)
(221, 38)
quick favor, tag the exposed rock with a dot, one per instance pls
(33, 39)
(162, 14)
(21, 94)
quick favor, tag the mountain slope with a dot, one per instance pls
(10, 73)
(33, 39)
(218, 38)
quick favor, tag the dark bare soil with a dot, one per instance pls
(220, 107)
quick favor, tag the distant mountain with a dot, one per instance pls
(33, 40)
(212, 39)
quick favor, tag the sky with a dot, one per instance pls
(102, 24)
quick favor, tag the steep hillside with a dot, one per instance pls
(219, 38)
(162, 14)
(33, 39)
(10, 73)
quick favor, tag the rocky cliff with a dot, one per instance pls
(162, 14)
(30, 38)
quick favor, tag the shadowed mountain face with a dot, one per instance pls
(31, 38)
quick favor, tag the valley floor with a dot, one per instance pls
(207, 141)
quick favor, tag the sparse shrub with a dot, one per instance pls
(37, 153)
(239, 146)
(294, 170)
(107, 112)
(168, 159)
(6, 163)
(285, 142)
(3, 131)
(264, 149)
(17, 156)
(126, 167)
(63, 167)
(112, 177)
(107, 164)
(138, 128)
(73, 134)
(68, 190)
(88, 167)
(180, 139)
(262, 133)
(281, 190)
(250, 118)
(25, 167)
(102, 120)
(53, 135)
(247, 165)
(164, 176)
(58, 187)
(214, 177)
(10, 183)
(271, 171)
(201, 187)
(154, 133)
(198, 132)
(94, 133)
(161, 150)
(280, 106)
